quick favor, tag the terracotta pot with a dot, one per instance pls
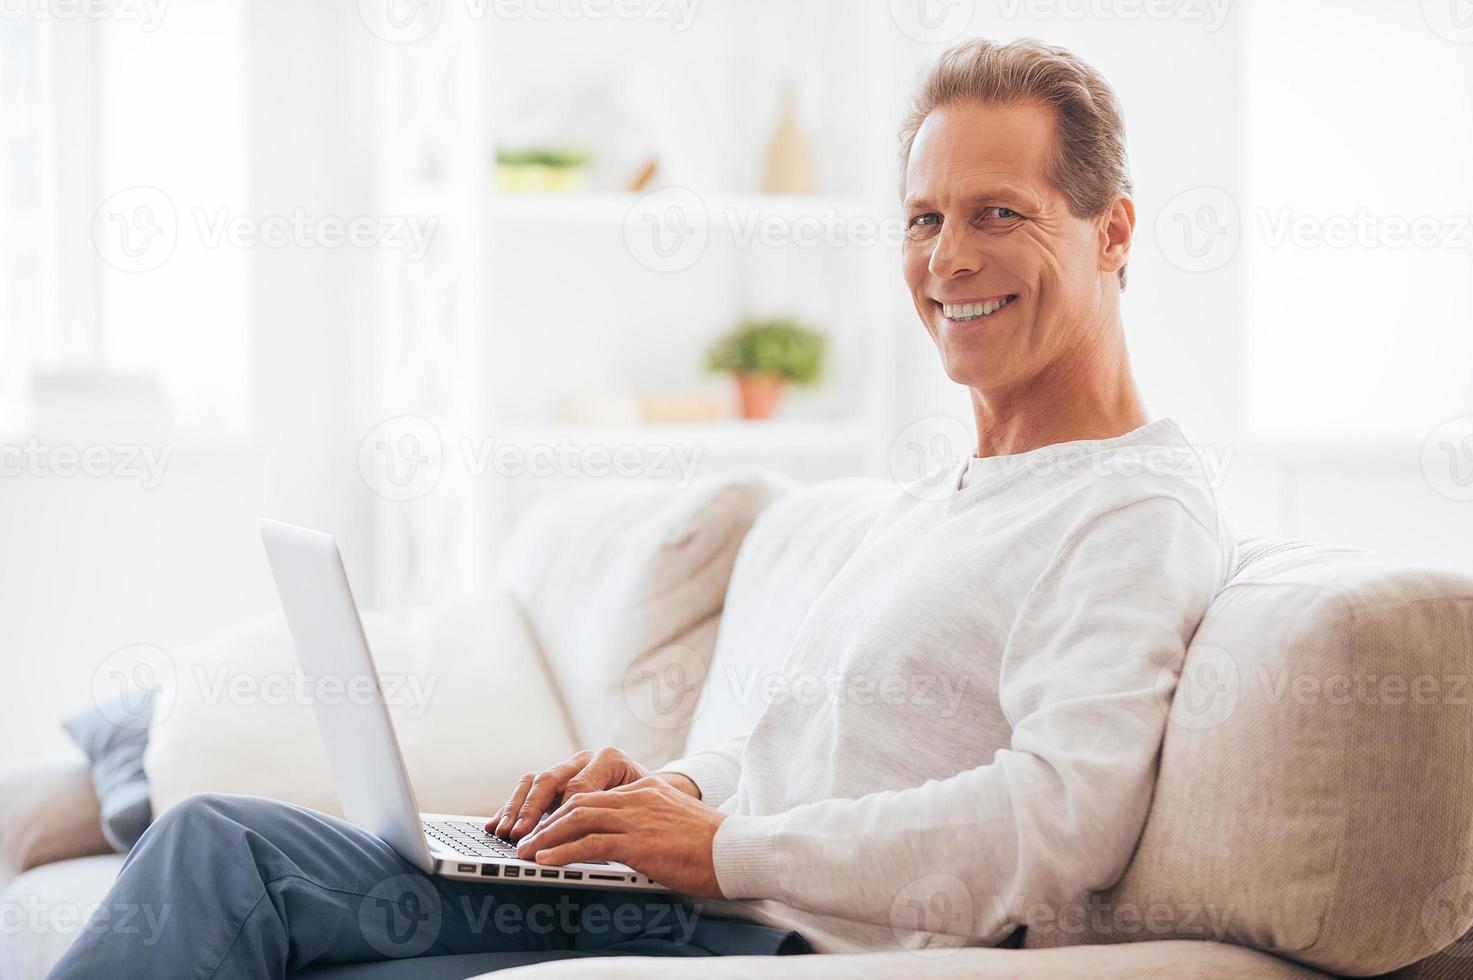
(760, 394)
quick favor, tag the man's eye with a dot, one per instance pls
(925, 220)
(1006, 214)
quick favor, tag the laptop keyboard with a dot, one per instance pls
(465, 837)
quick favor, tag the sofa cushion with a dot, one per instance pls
(47, 907)
(1178, 960)
(623, 585)
(1315, 791)
(48, 812)
(242, 708)
(114, 736)
(795, 548)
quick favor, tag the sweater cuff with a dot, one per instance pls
(744, 855)
(711, 777)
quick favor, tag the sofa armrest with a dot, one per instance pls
(1180, 959)
(48, 812)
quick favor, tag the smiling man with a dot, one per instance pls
(1056, 581)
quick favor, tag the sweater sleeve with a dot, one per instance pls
(1087, 676)
(715, 771)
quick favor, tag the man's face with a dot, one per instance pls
(1005, 277)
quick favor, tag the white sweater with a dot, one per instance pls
(977, 701)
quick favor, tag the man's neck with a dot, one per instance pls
(1089, 396)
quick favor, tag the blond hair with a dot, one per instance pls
(1089, 164)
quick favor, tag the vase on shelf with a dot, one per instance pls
(789, 158)
(760, 394)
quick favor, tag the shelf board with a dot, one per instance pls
(582, 209)
(728, 438)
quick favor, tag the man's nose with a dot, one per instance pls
(957, 253)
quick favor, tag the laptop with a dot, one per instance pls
(367, 766)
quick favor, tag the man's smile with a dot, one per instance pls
(967, 311)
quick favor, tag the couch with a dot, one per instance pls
(1313, 816)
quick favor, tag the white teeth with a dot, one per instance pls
(973, 311)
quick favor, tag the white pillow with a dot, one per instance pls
(623, 585)
(793, 551)
(241, 719)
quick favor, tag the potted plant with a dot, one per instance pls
(766, 356)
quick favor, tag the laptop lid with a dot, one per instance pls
(363, 753)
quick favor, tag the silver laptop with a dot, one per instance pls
(367, 767)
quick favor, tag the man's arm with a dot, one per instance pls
(712, 772)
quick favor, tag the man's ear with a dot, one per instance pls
(1117, 228)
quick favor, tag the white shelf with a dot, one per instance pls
(584, 209)
(729, 438)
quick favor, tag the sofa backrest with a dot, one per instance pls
(1315, 796)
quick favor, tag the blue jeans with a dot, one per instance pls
(235, 887)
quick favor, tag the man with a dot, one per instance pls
(1056, 582)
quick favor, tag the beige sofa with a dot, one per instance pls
(1313, 816)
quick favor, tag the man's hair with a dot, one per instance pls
(1089, 164)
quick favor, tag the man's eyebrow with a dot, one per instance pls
(994, 195)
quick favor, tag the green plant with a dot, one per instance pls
(780, 346)
(542, 156)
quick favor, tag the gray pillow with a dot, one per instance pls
(114, 736)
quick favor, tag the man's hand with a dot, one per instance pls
(586, 772)
(650, 825)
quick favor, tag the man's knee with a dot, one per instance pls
(215, 817)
